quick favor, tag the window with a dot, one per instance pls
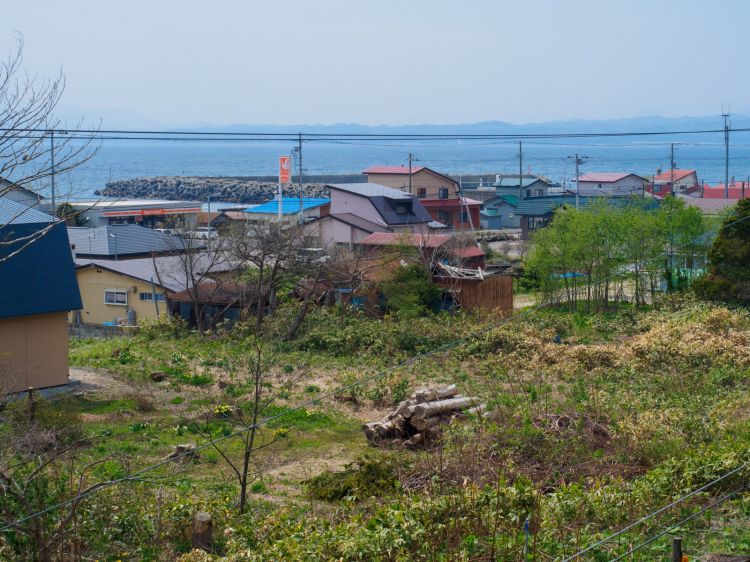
(528, 193)
(422, 193)
(443, 193)
(116, 296)
(539, 192)
(402, 207)
(465, 217)
(445, 217)
(160, 297)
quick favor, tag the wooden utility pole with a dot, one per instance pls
(411, 159)
(671, 168)
(520, 168)
(726, 154)
(52, 170)
(579, 159)
(299, 174)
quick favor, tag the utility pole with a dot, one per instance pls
(52, 169)
(520, 168)
(299, 174)
(411, 159)
(208, 232)
(579, 159)
(671, 168)
(726, 154)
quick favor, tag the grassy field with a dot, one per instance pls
(627, 412)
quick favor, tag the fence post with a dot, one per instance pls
(677, 549)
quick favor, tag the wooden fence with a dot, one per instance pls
(492, 293)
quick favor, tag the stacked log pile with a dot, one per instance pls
(417, 419)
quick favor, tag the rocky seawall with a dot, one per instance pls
(230, 190)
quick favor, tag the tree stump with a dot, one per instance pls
(203, 530)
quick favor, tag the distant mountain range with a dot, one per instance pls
(123, 119)
(628, 125)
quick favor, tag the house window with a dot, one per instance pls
(528, 193)
(443, 193)
(422, 193)
(116, 297)
(539, 192)
(402, 208)
(160, 297)
(445, 217)
(465, 217)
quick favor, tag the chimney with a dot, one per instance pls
(658, 171)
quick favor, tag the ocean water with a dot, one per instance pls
(119, 159)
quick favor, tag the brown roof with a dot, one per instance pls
(210, 292)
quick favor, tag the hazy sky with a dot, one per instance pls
(386, 61)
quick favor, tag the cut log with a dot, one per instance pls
(416, 439)
(431, 395)
(430, 409)
(420, 424)
(476, 410)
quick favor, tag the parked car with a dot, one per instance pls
(203, 233)
(165, 230)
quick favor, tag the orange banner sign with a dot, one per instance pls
(285, 169)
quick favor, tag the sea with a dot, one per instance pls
(125, 159)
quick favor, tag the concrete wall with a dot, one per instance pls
(33, 352)
(92, 283)
(100, 331)
(424, 179)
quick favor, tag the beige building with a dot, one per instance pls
(425, 183)
(37, 290)
(33, 351)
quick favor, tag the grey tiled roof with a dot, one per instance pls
(122, 240)
(171, 270)
(16, 213)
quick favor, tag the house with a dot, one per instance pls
(312, 208)
(440, 247)
(122, 241)
(611, 183)
(439, 193)
(685, 182)
(151, 213)
(19, 194)
(217, 302)
(359, 209)
(529, 185)
(499, 212)
(537, 212)
(127, 291)
(37, 291)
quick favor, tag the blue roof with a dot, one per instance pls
(289, 205)
(40, 278)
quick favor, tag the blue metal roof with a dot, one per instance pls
(40, 278)
(289, 205)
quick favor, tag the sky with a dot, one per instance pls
(373, 62)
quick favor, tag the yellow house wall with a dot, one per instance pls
(92, 283)
(421, 179)
(33, 351)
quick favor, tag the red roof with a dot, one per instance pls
(678, 175)
(393, 169)
(605, 177)
(468, 252)
(717, 191)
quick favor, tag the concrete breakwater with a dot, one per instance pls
(228, 189)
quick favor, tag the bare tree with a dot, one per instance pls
(206, 278)
(273, 253)
(36, 148)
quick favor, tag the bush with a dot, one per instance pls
(368, 476)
